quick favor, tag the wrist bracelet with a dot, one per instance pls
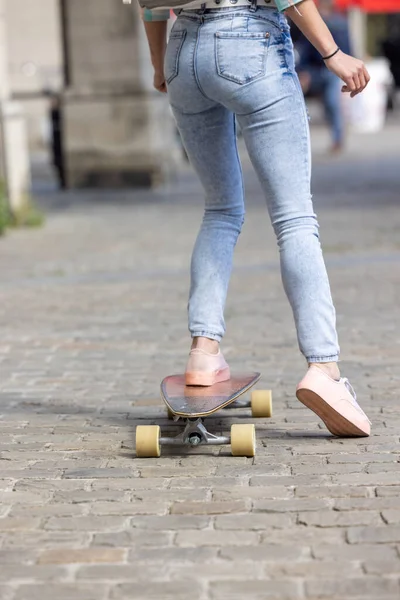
(331, 55)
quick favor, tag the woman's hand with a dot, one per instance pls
(350, 70)
(159, 81)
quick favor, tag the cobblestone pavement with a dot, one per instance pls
(93, 315)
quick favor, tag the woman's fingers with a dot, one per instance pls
(352, 71)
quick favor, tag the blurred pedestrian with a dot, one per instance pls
(391, 47)
(317, 80)
(57, 136)
(227, 59)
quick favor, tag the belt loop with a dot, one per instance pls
(202, 11)
(253, 7)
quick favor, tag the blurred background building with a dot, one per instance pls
(77, 87)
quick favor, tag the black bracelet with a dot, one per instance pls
(331, 55)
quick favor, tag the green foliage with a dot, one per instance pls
(28, 215)
(4, 210)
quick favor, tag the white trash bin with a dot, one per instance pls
(367, 111)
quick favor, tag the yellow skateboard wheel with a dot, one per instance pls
(261, 403)
(148, 441)
(243, 440)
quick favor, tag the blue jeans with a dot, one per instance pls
(328, 86)
(333, 105)
(239, 62)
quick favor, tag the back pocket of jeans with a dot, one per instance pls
(241, 56)
(174, 48)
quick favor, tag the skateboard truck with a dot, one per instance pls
(194, 434)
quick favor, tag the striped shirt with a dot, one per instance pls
(159, 10)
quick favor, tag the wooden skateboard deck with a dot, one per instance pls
(195, 401)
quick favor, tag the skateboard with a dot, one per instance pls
(194, 403)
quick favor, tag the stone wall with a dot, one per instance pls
(117, 130)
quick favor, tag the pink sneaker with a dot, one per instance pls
(334, 402)
(206, 369)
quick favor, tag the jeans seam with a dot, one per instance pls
(194, 65)
(203, 333)
(331, 358)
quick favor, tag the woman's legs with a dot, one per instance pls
(277, 138)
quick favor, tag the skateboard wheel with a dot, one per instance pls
(261, 403)
(148, 441)
(243, 440)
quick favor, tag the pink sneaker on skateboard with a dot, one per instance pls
(334, 402)
(205, 369)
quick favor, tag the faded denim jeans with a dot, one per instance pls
(239, 62)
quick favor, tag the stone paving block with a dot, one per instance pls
(42, 539)
(210, 508)
(361, 552)
(391, 516)
(28, 573)
(373, 535)
(254, 493)
(44, 486)
(129, 484)
(291, 505)
(391, 490)
(7, 592)
(301, 534)
(18, 557)
(214, 483)
(334, 491)
(387, 467)
(257, 590)
(62, 591)
(119, 573)
(265, 552)
(170, 522)
(172, 555)
(211, 537)
(90, 496)
(290, 480)
(153, 590)
(366, 503)
(362, 587)
(6, 484)
(377, 479)
(364, 458)
(195, 473)
(47, 510)
(151, 507)
(174, 495)
(86, 523)
(313, 569)
(382, 567)
(34, 473)
(19, 524)
(104, 473)
(254, 521)
(275, 470)
(15, 498)
(339, 519)
(83, 555)
(220, 570)
(134, 538)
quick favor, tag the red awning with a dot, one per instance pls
(373, 6)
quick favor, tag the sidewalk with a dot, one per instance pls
(93, 315)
